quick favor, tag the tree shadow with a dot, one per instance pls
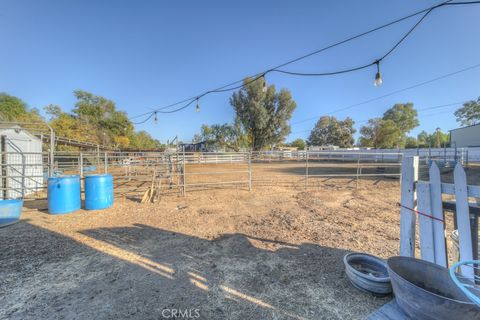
(143, 272)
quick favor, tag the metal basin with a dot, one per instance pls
(424, 290)
(367, 273)
(10, 211)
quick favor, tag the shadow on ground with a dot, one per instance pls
(142, 272)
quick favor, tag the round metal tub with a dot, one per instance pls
(367, 273)
(424, 290)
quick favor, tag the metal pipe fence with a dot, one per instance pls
(25, 174)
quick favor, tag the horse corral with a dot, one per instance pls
(232, 236)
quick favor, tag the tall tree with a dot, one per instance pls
(263, 114)
(380, 134)
(404, 115)
(330, 131)
(469, 114)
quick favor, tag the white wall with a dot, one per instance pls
(466, 137)
(24, 163)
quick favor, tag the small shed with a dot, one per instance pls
(465, 137)
(21, 162)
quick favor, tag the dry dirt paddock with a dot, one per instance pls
(272, 253)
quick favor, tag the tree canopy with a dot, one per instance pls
(93, 119)
(300, 144)
(14, 109)
(263, 114)
(221, 137)
(403, 115)
(330, 131)
(469, 114)
(380, 134)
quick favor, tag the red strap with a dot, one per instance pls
(420, 213)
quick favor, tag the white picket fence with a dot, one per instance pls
(424, 199)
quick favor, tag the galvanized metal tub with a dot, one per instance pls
(367, 273)
(424, 290)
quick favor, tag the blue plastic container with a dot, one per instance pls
(10, 211)
(98, 191)
(63, 194)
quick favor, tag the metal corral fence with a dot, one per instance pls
(25, 174)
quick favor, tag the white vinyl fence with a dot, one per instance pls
(424, 199)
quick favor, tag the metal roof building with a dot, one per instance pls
(465, 137)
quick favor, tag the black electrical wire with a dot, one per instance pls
(391, 93)
(367, 65)
(228, 87)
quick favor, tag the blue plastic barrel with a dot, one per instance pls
(10, 211)
(63, 194)
(98, 191)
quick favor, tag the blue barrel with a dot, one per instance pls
(63, 194)
(10, 211)
(98, 191)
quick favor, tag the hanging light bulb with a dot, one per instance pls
(155, 119)
(378, 77)
(264, 88)
(198, 106)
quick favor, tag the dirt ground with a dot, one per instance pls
(272, 253)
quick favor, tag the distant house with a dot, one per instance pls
(21, 162)
(465, 137)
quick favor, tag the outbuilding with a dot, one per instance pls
(21, 162)
(465, 137)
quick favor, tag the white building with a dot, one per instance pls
(465, 137)
(21, 162)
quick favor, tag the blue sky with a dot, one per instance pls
(146, 54)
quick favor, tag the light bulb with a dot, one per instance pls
(378, 80)
(378, 77)
(155, 119)
(264, 88)
(198, 106)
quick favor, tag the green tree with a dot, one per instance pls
(14, 109)
(300, 144)
(220, 136)
(411, 142)
(423, 139)
(263, 114)
(380, 134)
(469, 114)
(404, 115)
(143, 140)
(330, 131)
(439, 139)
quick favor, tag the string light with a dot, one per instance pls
(378, 77)
(198, 106)
(155, 119)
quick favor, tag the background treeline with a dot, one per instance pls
(261, 122)
(93, 119)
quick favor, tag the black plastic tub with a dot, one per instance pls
(424, 290)
(367, 273)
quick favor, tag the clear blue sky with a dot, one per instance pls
(146, 54)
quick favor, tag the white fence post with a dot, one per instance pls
(463, 217)
(425, 223)
(407, 217)
(437, 212)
